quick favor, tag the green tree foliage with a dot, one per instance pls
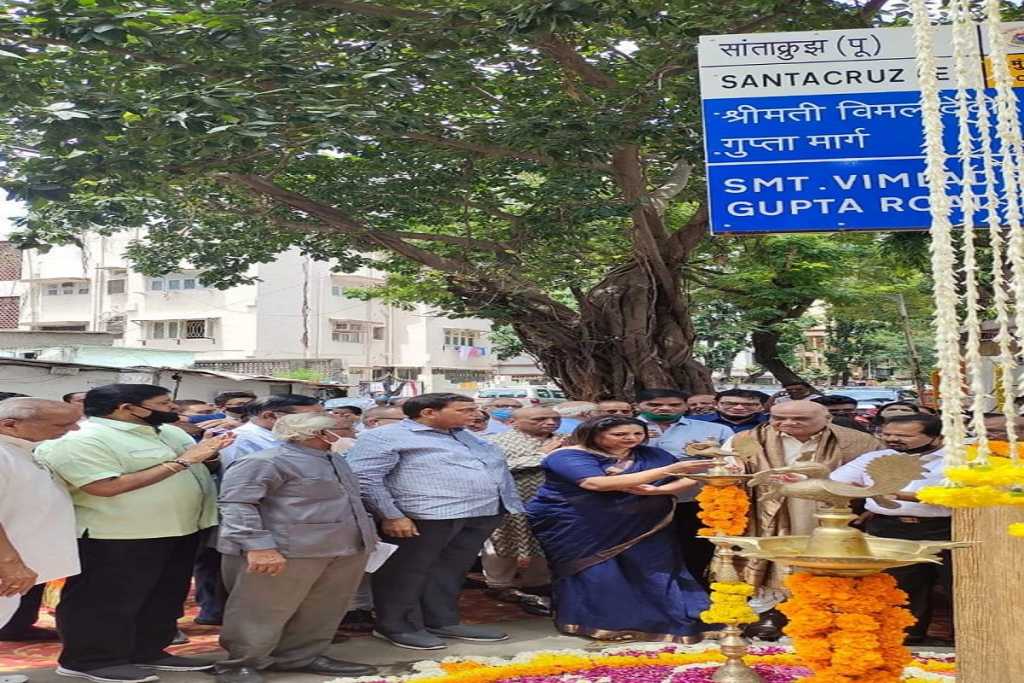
(486, 154)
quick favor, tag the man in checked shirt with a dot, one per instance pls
(438, 491)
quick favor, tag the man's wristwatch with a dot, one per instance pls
(181, 461)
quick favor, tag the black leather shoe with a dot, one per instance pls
(768, 627)
(335, 667)
(243, 674)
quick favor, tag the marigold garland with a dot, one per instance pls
(729, 604)
(1016, 529)
(848, 630)
(723, 509)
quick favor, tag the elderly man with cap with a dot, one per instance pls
(295, 539)
(37, 519)
(512, 557)
(797, 432)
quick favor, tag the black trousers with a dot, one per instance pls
(918, 581)
(697, 551)
(124, 606)
(211, 595)
(419, 585)
(27, 614)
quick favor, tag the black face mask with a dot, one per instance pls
(920, 449)
(159, 417)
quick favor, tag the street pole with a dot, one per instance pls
(915, 360)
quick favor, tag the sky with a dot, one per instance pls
(8, 210)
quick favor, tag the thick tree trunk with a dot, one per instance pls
(766, 353)
(631, 334)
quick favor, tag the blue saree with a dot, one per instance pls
(618, 573)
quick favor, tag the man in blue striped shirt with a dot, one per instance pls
(438, 491)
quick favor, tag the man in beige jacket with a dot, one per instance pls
(797, 432)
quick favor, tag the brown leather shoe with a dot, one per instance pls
(768, 627)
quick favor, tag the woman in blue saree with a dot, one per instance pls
(603, 516)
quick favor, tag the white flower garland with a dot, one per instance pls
(943, 251)
(1002, 213)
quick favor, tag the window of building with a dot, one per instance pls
(195, 329)
(348, 332)
(66, 288)
(174, 282)
(461, 337)
(378, 333)
(116, 286)
(115, 324)
(179, 329)
(336, 290)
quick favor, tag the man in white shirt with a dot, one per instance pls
(37, 520)
(919, 435)
(255, 435)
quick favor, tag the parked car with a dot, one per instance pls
(527, 395)
(870, 398)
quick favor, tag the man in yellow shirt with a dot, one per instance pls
(142, 495)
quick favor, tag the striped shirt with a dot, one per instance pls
(413, 470)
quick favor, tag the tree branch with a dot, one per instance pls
(870, 9)
(676, 183)
(464, 276)
(686, 238)
(498, 152)
(363, 8)
(344, 223)
(571, 60)
(468, 242)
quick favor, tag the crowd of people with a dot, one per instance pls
(294, 517)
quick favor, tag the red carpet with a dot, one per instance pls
(476, 607)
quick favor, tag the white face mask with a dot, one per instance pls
(340, 443)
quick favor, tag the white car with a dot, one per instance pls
(527, 395)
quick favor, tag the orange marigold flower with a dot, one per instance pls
(848, 630)
(723, 510)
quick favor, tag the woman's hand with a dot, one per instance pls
(646, 490)
(687, 466)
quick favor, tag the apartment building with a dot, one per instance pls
(296, 314)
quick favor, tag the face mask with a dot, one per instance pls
(502, 414)
(658, 417)
(339, 444)
(158, 417)
(919, 449)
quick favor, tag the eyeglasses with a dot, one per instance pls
(737, 404)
